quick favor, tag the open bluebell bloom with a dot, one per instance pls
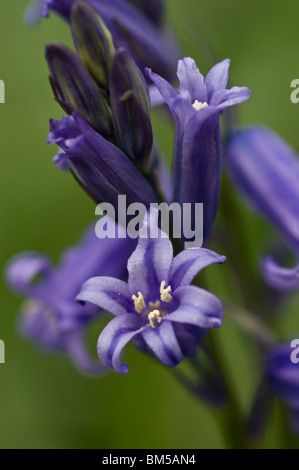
(196, 108)
(283, 377)
(158, 305)
(266, 170)
(50, 317)
(137, 28)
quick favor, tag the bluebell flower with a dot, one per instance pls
(136, 27)
(196, 108)
(99, 166)
(283, 377)
(266, 170)
(50, 317)
(157, 306)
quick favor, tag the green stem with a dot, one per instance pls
(229, 417)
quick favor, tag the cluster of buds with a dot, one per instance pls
(107, 138)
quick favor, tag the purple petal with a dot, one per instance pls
(198, 163)
(23, 268)
(226, 98)
(284, 279)
(191, 80)
(283, 375)
(197, 307)
(179, 104)
(187, 336)
(150, 263)
(107, 293)
(114, 338)
(217, 78)
(163, 343)
(167, 91)
(155, 96)
(64, 132)
(187, 264)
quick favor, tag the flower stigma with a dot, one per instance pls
(154, 316)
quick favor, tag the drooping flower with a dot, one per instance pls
(196, 108)
(50, 317)
(283, 377)
(157, 307)
(137, 26)
(100, 167)
(266, 170)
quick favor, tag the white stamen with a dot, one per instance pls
(165, 296)
(139, 303)
(198, 105)
(154, 316)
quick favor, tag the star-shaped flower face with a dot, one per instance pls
(158, 301)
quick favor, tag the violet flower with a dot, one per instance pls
(196, 108)
(50, 317)
(283, 377)
(100, 167)
(266, 170)
(136, 27)
(158, 305)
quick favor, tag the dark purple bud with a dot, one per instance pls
(93, 41)
(130, 106)
(76, 90)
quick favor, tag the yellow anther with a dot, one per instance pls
(165, 296)
(139, 303)
(154, 316)
(198, 105)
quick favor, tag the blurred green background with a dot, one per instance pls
(44, 401)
